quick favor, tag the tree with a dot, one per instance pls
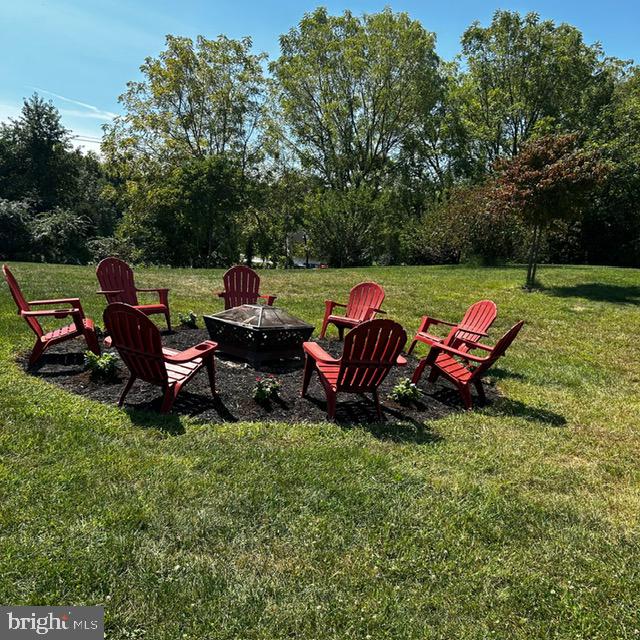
(189, 217)
(610, 232)
(348, 88)
(550, 179)
(36, 163)
(346, 93)
(194, 100)
(526, 76)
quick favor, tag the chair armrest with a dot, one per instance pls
(427, 321)
(108, 293)
(477, 345)
(461, 354)
(72, 301)
(374, 310)
(330, 304)
(401, 361)
(199, 351)
(158, 289)
(315, 351)
(54, 313)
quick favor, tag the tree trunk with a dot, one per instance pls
(533, 257)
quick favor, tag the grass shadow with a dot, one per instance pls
(599, 292)
(502, 374)
(187, 403)
(168, 424)
(360, 413)
(508, 407)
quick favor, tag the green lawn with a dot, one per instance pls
(519, 520)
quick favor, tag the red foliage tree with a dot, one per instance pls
(550, 179)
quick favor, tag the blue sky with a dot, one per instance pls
(81, 53)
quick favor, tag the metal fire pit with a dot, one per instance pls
(258, 333)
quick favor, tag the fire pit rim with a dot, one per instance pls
(301, 323)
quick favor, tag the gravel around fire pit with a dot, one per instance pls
(63, 365)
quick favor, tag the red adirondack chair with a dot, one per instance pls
(116, 279)
(462, 367)
(81, 325)
(474, 325)
(139, 344)
(365, 300)
(242, 286)
(369, 352)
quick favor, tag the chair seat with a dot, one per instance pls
(67, 331)
(451, 367)
(329, 372)
(179, 372)
(151, 308)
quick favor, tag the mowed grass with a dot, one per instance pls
(517, 520)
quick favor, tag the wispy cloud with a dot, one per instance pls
(87, 111)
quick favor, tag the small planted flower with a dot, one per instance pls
(104, 367)
(266, 389)
(405, 392)
(189, 320)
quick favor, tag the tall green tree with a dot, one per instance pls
(36, 162)
(190, 217)
(347, 92)
(194, 100)
(610, 232)
(525, 76)
(348, 89)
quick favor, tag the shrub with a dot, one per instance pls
(405, 392)
(15, 229)
(60, 236)
(107, 246)
(104, 367)
(266, 389)
(189, 319)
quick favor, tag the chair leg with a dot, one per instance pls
(92, 341)
(480, 390)
(465, 393)
(170, 394)
(331, 404)
(211, 371)
(38, 348)
(376, 399)
(340, 333)
(412, 346)
(167, 316)
(309, 366)
(417, 374)
(126, 390)
(325, 324)
(434, 374)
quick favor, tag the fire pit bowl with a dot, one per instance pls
(258, 333)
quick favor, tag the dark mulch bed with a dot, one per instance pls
(64, 365)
